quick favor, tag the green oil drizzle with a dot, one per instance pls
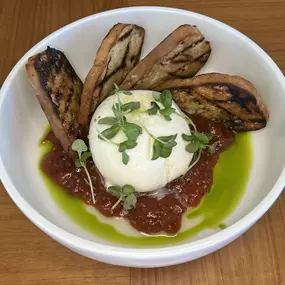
(222, 226)
(230, 178)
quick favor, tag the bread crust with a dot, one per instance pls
(232, 100)
(118, 54)
(182, 54)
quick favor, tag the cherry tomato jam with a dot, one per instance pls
(152, 214)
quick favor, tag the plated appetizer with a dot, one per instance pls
(139, 140)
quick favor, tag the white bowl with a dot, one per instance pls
(22, 123)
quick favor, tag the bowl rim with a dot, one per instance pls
(97, 248)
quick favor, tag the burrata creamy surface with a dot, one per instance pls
(143, 173)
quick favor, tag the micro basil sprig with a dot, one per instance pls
(165, 98)
(154, 108)
(198, 142)
(118, 90)
(162, 146)
(119, 122)
(80, 147)
(125, 194)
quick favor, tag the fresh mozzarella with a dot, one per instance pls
(143, 173)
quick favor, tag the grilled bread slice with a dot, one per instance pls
(118, 54)
(181, 55)
(58, 89)
(220, 97)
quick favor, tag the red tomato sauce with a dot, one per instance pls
(152, 214)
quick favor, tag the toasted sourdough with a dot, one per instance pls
(58, 89)
(220, 97)
(180, 55)
(118, 54)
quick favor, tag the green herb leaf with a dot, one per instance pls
(77, 163)
(132, 131)
(188, 138)
(108, 121)
(85, 156)
(131, 106)
(79, 146)
(130, 202)
(209, 136)
(132, 134)
(154, 108)
(170, 144)
(125, 158)
(203, 138)
(117, 112)
(130, 144)
(127, 145)
(202, 146)
(128, 189)
(156, 96)
(168, 138)
(192, 146)
(133, 126)
(156, 150)
(167, 111)
(117, 89)
(127, 92)
(115, 190)
(110, 132)
(213, 148)
(122, 147)
(166, 98)
(199, 141)
(169, 141)
(165, 151)
(126, 194)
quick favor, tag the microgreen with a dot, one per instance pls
(131, 106)
(165, 98)
(156, 96)
(162, 146)
(198, 142)
(108, 121)
(80, 147)
(128, 144)
(111, 132)
(117, 111)
(132, 131)
(154, 108)
(167, 111)
(125, 194)
(156, 150)
(118, 90)
(119, 123)
(125, 158)
(212, 148)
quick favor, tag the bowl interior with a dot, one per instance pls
(22, 121)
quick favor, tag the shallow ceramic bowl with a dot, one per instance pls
(22, 124)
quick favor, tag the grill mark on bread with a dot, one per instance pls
(125, 35)
(58, 89)
(118, 54)
(122, 65)
(229, 99)
(169, 57)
